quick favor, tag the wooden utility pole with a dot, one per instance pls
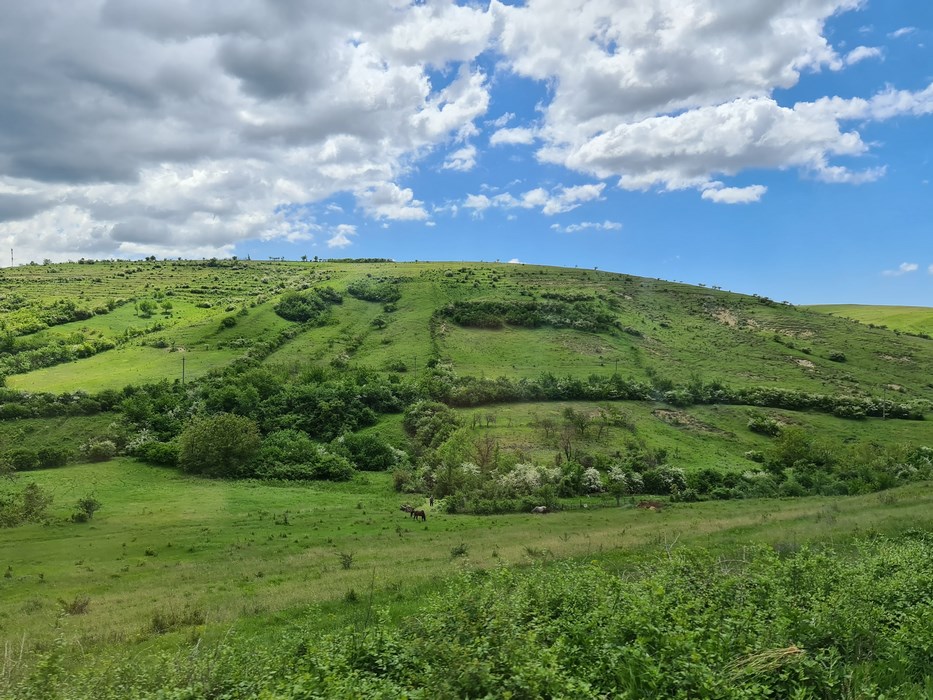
(182, 370)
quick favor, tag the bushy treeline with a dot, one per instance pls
(579, 315)
(254, 423)
(26, 358)
(20, 404)
(36, 318)
(479, 391)
(817, 623)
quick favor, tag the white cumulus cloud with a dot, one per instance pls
(588, 225)
(341, 236)
(903, 269)
(734, 195)
(463, 159)
(513, 136)
(860, 53)
(389, 201)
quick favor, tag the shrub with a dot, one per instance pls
(161, 453)
(309, 306)
(664, 480)
(764, 425)
(219, 445)
(78, 606)
(292, 455)
(228, 322)
(50, 457)
(369, 453)
(28, 505)
(85, 509)
(100, 450)
(837, 356)
(22, 459)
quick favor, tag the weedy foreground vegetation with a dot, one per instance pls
(204, 464)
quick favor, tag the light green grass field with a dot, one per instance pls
(693, 438)
(164, 543)
(117, 368)
(912, 319)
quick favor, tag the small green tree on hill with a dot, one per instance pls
(218, 445)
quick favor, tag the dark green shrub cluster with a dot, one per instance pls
(475, 391)
(161, 453)
(20, 404)
(386, 291)
(800, 464)
(764, 425)
(308, 306)
(85, 509)
(690, 625)
(23, 459)
(28, 504)
(369, 453)
(221, 445)
(99, 450)
(291, 455)
(581, 315)
(430, 423)
(25, 358)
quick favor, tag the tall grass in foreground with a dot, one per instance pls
(689, 623)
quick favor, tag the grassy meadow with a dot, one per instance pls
(164, 543)
(907, 319)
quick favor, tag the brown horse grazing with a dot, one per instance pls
(419, 514)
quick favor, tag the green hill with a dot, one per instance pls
(327, 394)
(482, 320)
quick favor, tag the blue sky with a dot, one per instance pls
(779, 147)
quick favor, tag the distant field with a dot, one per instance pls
(115, 369)
(912, 319)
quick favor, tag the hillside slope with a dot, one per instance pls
(483, 320)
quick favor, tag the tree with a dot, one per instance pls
(218, 445)
(146, 308)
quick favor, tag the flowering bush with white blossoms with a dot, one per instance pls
(628, 481)
(526, 478)
(592, 480)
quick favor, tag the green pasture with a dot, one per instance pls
(910, 319)
(694, 438)
(69, 432)
(120, 367)
(164, 543)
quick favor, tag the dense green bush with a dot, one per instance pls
(764, 425)
(369, 453)
(161, 453)
(430, 423)
(292, 455)
(378, 290)
(18, 506)
(220, 445)
(308, 306)
(581, 315)
(99, 450)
